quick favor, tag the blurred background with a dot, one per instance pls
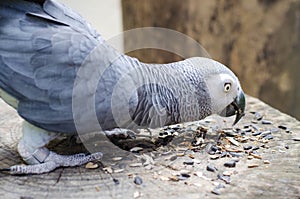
(259, 40)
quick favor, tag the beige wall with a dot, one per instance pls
(104, 15)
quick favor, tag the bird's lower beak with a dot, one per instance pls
(237, 107)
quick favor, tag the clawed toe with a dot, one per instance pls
(120, 134)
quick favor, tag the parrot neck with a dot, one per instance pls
(168, 93)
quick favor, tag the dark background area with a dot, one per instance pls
(259, 40)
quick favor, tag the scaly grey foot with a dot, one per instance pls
(53, 161)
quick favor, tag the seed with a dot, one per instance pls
(118, 170)
(230, 164)
(117, 158)
(253, 165)
(229, 132)
(138, 180)
(283, 127)
(116, 181)
(247, 147)
(216, 191)
(91, 165)
(172, 158)
(250, 157)
(235, 154)
(188, 163)
(258, 116)
(214, 157)
(107, 169)
(227, 173)
(256, 133)
(268, 137)
(138, 164)
(247, 130)
(211, 168)
(274, 130)
(255, 148)
(265, 133)
(180, 154)
(183, 176)
(191, 156)
(296, 139)
(266, 122)
(266, 162)
(286, 146)
(233, 141)
(223, 154)
(256, 156)
(136, 149)
(226, 179)
(174, 178)
(164, 178)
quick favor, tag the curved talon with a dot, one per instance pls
(120, 134)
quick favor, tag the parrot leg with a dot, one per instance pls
(118, 133)
(40, 159)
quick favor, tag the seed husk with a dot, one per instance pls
(267, 162)
(253, 165)
(256, 156)
(214, 157)
(227, 173)
(138, 164)
(136, 149)
(91, 165)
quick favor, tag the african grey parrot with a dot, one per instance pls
(50, 60)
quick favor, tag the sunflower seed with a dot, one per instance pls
(247, 147)
(226, 179)
(211, 168)
(230, 164)
(266, 122)
(138, 180)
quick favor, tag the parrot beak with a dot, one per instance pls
(237, 107)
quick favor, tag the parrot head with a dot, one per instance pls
(226, 94)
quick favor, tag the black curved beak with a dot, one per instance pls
(237, 107)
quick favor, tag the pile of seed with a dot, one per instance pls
(179, 148)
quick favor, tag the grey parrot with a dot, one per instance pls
(61, 75)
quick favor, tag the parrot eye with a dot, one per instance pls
(227, 87)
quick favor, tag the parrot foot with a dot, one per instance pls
(53, 161)
(120, 134)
